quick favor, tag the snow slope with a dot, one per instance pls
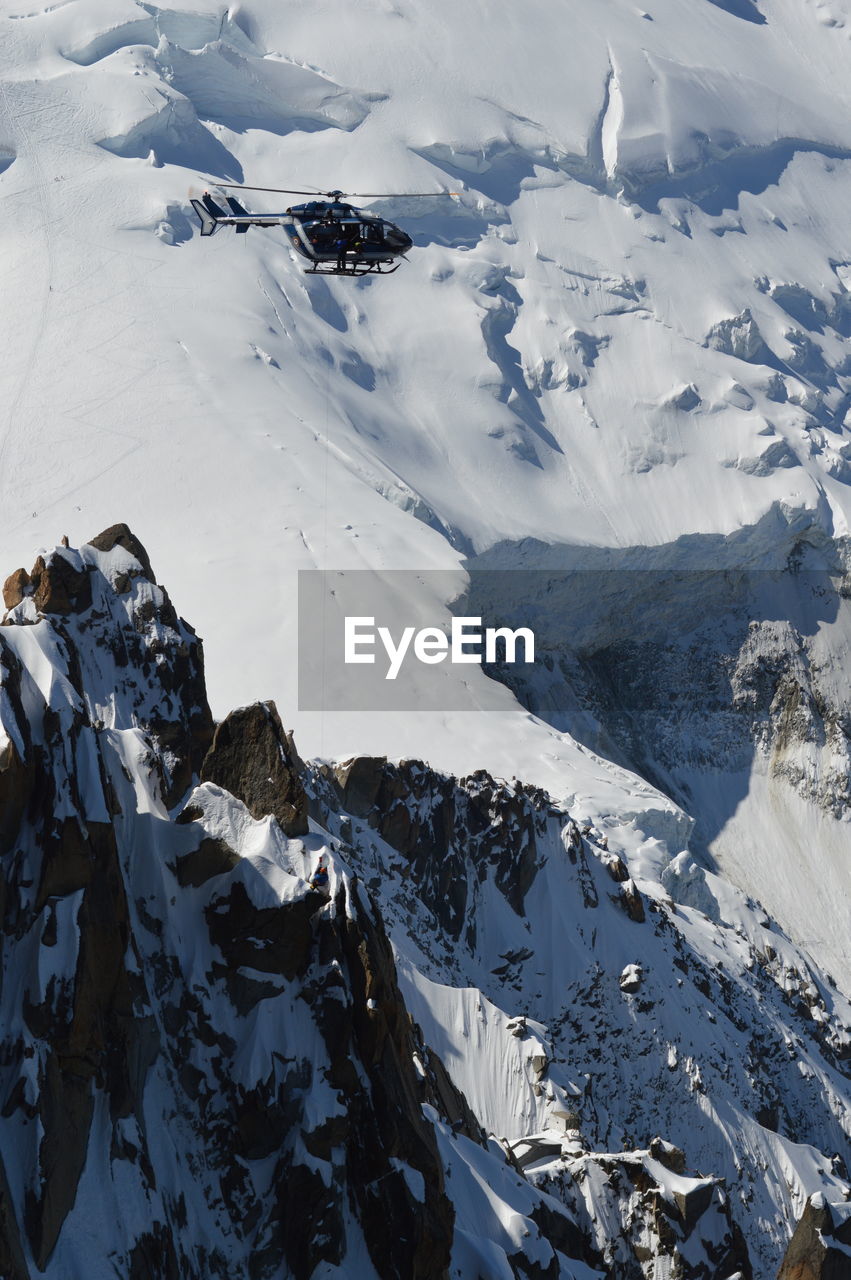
(206, 1063)
(631, 183)
(629, 326)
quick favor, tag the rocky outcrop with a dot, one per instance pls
(384, 1127)
(123, 644)
(820, 1249)
(679, 1226)
(119, 535)
(12, 1262)
(134, 948)
(447, 829)
(626, 1020)
(254, 758)
(15, 588)
(230, 1049)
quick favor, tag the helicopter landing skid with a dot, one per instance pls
(360, 269)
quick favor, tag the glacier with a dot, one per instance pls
(619, 350)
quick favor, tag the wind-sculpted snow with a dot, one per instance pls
(219, 83)
(628, 190)
(182, 27)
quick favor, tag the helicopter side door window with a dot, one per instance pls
(324, 234)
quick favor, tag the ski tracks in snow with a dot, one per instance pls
(16, 125)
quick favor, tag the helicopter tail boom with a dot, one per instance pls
(212, 216)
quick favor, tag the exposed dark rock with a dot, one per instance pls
(12, 1263)
(57, 587)
(17, 784)
(266, 1115)
(118, 995)
(119, 535)
(385, 1122)
(565, 1235)
(631, 901)
(449, 1100)
(616, 868)
(211, 858)
(244, 993)
(311, 1219)
(668, 1155)
(270, 939)
(692, 1233)
(631, 979)
(87, 1031)
(694, 1203)
(819, 1248)
(254, 758)
(15, 588)
(154, 1256)
(441, 826)
(68, 859)
(66, 1105)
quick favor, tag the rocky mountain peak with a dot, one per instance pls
(462, 1041)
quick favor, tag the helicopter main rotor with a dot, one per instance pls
(339, 195)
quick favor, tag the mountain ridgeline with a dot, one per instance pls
(480, 1051)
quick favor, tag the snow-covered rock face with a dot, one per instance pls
(630, 325)
(471, 1038)
(569, 1002)
(717, 669)
(193, 1038)
(207, 1067)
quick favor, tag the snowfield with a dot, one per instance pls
(620, 347)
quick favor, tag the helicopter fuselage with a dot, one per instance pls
(333, 232)
(336, 238)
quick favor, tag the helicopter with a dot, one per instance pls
(335, 237)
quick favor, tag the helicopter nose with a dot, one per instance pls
(398, 240)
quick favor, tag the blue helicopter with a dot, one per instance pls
(335, 237)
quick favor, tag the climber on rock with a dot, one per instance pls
(319, 879)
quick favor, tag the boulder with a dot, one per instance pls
(119, 535)
(254, 758)
(57, 587)
(15, 588)
(818, 1250)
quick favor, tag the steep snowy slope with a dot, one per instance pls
(628, 331)
(630, 325)
(207, 1069)
(208, 1066)
(206, 1063)
(560, 996)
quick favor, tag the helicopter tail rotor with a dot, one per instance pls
(209, 214)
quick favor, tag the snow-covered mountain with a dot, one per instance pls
(607, 393)
(212, 1067)
(628, 327)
